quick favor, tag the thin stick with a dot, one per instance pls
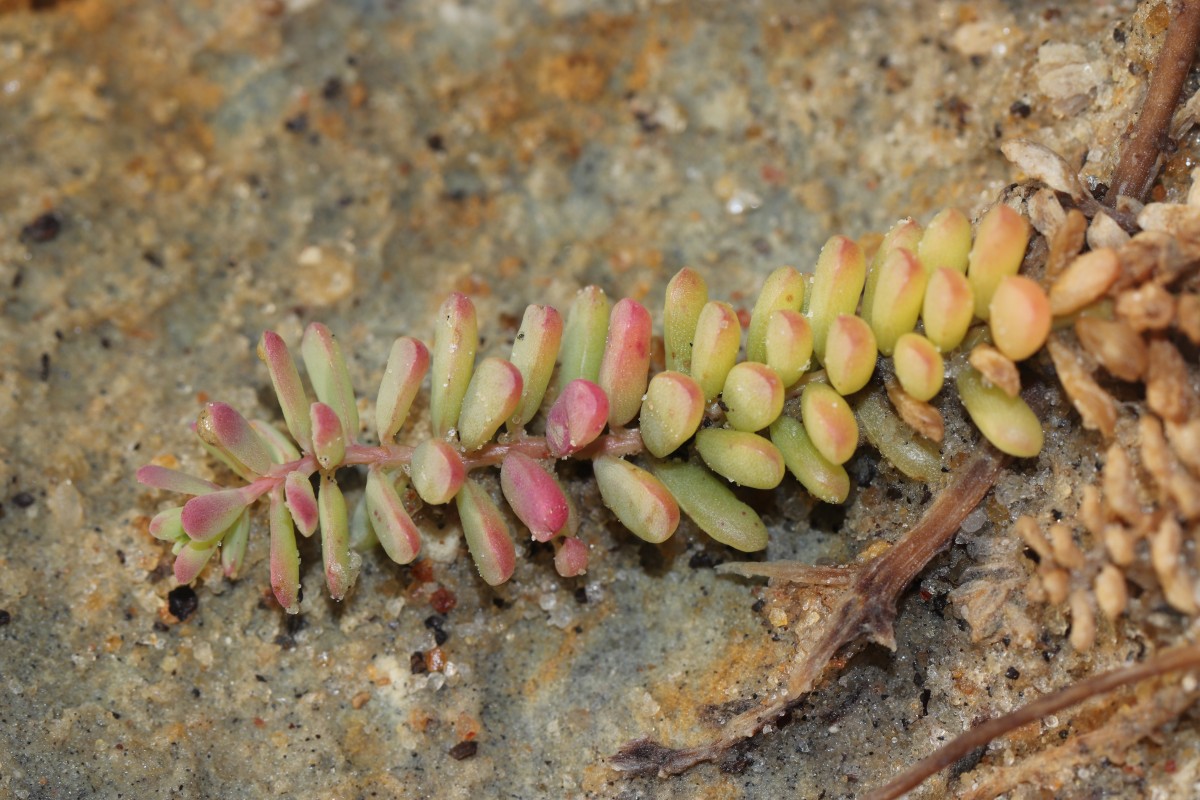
(1139, 161)
(1169, 661)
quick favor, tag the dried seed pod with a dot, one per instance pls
(1066, 553)
(455, 339)
(1091, 512)
(492, 396)
(1083, 621)
(1168, 392)
(1096, 407)
(533, 354)
(948, 308)
(1019, 317)
(534, 496)
(437, 471)
(747, 459)
(233, 546)
(824, 479)
(837, 284)
(406, 367)
(1104, 231)
(850, 354)
(570, 557)
(1148, 307)
(753, 396)
(1119, 543)
(712, 506)
(223, 428)
(285, 556)
(301, 502)
(1115, 345)
(329, 436)
(783, 289)
(1166, 547)
(829, 422)
(686, 295)
(904, 235)
(341, 563)
(946, 242)
(1120, 485)
(286, 381)
(584, 336)
(389, 518)
(1084, 281)
(577, 417)
(899, 294)
(1111, 594)
(1187, 316)
(998, 368)
(488, 537)
(715, 347)
(999, 248)
(1155, 455)
(917, 414)
(898, 442)
(328, 375)
(1066, 243)
(1006, 421)
(1031, 533)
(1185, 442)
(919, 366)
(671, 412)
(206, 517)
(625, 368)
(789, 345)
(638, 499)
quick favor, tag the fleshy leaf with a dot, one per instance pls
(209, 515)
(946, 242)
(437, 471)
(712, 506)
(487, 534)
(948, 308)
(191, 560)
(625, 367)
(393, 526)
(492, 397)
(534, 352)
(285, 557)
(747, 459)
(455, 339)
(900, 291)
(850, 354)
(826, 481)
(584, 336)
(172, 480)
(329, 376)
(281, 449)
(577, 417)
(904, 235)
(571, 558)
(783, 289)
(341, 563)
(362, 532)
(638, 499)
(1007, 422)
(301, 502)
(406, 367)
(534, 495)
(329, 436)
(222, 427)
(753, 396)
(837, 284)
(715, 347)
(292, 398)
(233, 546)
(686, 295)
(829, 422)
(919, 366)
(671, 412)
(789, 345)
(167, 526)
(999, 248)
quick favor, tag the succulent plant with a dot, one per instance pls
(575, 388)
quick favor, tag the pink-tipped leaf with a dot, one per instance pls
(534, 495)
(393, 526)
(329, 376)
(625, 368)
(191, 560)
(223, 428)
(285, 557)
(341, 563)
(493, 396)
(233, 546)
(638, 499)
(292, 398)
(455, 339)
(534, 352)
(207, 516)
(487, 534)
(172, 480)
(571, 558)
(301, 502)
(406, 368)
(577, 417)
(329, 436)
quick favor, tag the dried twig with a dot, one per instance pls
(1139, 162)
(1187, 657)
(863, 610)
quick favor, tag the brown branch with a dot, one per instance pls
(863, 610)
(1139, 161)
(1181, 658)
